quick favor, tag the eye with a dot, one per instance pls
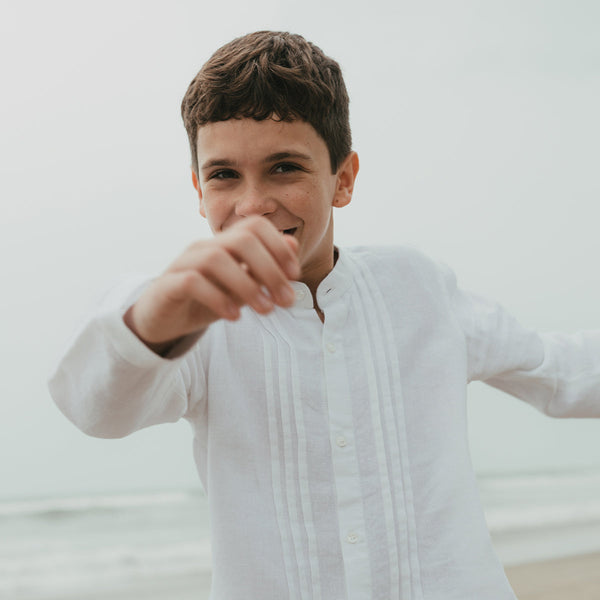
(286, 168)
(223, 174)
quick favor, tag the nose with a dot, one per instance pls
(255, 200)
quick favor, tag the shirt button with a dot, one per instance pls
(352, 538)
(341, 441)
(330, 347)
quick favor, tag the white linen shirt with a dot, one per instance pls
(335, 454)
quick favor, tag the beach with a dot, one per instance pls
(570, 578)
(545, 528)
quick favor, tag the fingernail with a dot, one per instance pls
(286, 294)
(262, 303)
(232, 310)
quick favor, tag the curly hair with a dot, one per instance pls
(271, 74)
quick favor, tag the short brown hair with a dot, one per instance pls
(271, 74)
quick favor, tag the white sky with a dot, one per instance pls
(477, 125)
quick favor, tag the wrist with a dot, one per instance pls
(161, 348)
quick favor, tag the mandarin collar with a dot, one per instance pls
(336, 282)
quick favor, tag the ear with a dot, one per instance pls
(199, 191)
(346, 175)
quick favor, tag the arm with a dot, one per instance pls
(109, 384)
(113, 379)
(559, 374)
(567, 381)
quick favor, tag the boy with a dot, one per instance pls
(325, 387)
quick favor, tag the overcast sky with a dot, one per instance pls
(477, 125)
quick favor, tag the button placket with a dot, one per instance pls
(345, 460)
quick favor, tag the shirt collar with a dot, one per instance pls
(336, 282)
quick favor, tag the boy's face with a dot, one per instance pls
(280, 170)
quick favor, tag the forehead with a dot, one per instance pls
(238, 139)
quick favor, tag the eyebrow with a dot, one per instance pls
(226, 162)
(218, 162)
(286, 154)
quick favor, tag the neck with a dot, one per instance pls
(313, 282)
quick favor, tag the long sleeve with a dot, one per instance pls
(557, 373)
(566, 383)
(109, 384)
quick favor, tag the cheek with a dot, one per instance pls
(217, 205)
(313, 200)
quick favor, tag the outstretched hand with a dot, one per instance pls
(251, 263)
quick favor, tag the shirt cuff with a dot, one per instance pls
(131, 349)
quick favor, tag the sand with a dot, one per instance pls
(572, 578)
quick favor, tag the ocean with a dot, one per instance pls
(109, 546)
(538, 516)
(67, 548)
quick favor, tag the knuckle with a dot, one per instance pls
(211, 254)
(244, 238)
(257, 224)
(188, 281)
